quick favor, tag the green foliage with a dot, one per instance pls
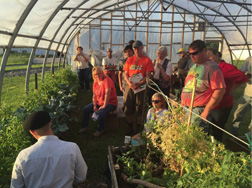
(13, 139)
(212, 44)
(56, 96)
(178, 155)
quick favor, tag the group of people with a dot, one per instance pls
(41, 164)
(213, 100)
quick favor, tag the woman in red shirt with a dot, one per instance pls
(104, 101)
(233, 78)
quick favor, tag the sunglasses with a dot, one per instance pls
(156, 101)
(195, 53)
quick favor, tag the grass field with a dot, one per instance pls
(13, 89)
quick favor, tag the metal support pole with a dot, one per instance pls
(36, 81)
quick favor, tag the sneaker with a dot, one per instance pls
(97, 133)
(83, 130)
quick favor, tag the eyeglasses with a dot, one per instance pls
(156, 101)
(195, 53)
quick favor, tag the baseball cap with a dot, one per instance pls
(36, 120)
(137, 43)
(181, 50)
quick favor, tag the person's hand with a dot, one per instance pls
(159, 65)
(134, 85)
(204, 114)
(121, 89)
(95, 108)
(135, 137)
(101, 107)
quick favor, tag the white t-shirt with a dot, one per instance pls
(81, 63)
(168, 70)
(109, 61)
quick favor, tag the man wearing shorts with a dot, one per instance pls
(137, 68)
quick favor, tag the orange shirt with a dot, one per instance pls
(134, 66)
(99, 91)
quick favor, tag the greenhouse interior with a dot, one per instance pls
(167, 84)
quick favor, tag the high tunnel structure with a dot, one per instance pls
(52, 25)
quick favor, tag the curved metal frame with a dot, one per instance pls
(55, 34)
(37, 42)
(75, 29)
(234, 26)
(11, 41)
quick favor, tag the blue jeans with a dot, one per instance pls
(103, 113)
(243, 106)
(83, 75)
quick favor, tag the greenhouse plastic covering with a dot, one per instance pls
(55, 23)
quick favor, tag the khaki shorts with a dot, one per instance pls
(133, 102)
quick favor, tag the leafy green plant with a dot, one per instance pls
(13, 139)
(56, 96)
(179, 155)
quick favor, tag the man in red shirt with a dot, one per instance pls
(136, 68)
(233, 78)
(210, 86)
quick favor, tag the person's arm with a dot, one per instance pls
(143, 81)
(214, 101)
(95, 102)
(17, 179)
(126, 77)
(85, 58)
(106, 98)
(76, 57)
(120, 80)
(136, 136)
(80, 170)
(104, 64)
(168, 70)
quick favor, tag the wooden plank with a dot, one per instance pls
(112, 168)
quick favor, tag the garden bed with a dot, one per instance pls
(177, 155)
(118, 177)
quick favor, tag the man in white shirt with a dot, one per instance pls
(50, 162)
(109, 64)
(82, 68)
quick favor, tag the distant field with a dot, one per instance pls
(13, 89)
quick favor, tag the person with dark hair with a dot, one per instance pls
(82, 68)
(104, 101)
(49, 162)
(210, 86)
(137, 68)
(128, 52)
(130, 42)
(233, 78)
(109, 64)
